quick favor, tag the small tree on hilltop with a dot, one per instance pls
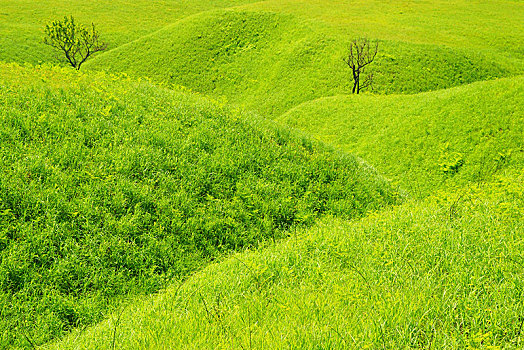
(74, 40)
(361, 53)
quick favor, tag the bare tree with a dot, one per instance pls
(361, 52)
(74, 40)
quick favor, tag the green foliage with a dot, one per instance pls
(445, 273)
(75, 41)
(112, 188)
(271, 62)
(502, 158)
(401, 135)
(450, 162)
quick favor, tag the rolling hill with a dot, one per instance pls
(112, 188)
(271, 62)
(425, 141)
(443, 273)
(22, 22)
(208, 181)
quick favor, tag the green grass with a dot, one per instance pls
(112, 187)
(22, 22)
(274, 55)
(116, 191)
(445, 273)
(458, 24)
(271, 62)
(426, 141)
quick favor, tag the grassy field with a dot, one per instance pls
(271, 62)
(208, 181)
(114, 187)
(445, 273)
(273, 55)
(22, 22)
(426, 141)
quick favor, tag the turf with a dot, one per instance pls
(274, 55)
(457, 24)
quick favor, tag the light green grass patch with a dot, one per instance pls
(119, 21)
(459, 24)
(425, 141)
(271, 62)
(114, 190)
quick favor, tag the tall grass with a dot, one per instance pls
(112, 188)
(444, 273)
(116, 194)
(427, 141)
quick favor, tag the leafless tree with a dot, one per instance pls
(74, 40)
(360, 54)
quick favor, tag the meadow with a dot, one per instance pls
(112, 187)
(443, 273)
(426, 141)
(209, 181)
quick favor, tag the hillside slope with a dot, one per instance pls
(459, 24)
(112, 187)
(137, 213)
(271, 61)
(119, 21)
(425, 141)
(445, 273)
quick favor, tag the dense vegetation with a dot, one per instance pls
(445, 273)
(426, 141)
(180, 220)
(111, 187)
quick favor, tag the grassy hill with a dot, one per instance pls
(425, 141)
(458, 24)
(274, 55)
(22, 22)
(445, 273)
(271, 62)
(111, 187)
(146, 202)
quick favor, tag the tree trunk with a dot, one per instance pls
(355, 80)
